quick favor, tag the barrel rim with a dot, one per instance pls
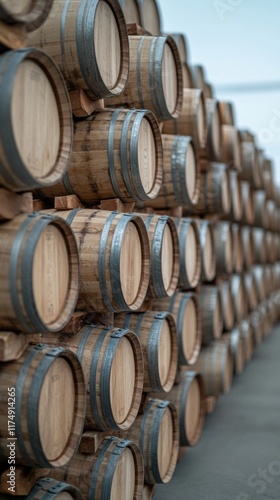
(186, 440)
(183, 225)
(30, 20)
(57, 487)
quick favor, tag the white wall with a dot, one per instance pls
(238, 41)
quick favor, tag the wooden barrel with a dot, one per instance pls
(148, 491)
(236, 196)
(157, 433)
(260, 278)
(131, 11)
(227, 305)
(182, 44)
(268, 178)
(261, 215)
(255, 320)
(192, 120)
(260, 247)
(208, 90)
(190, 253)
(181, 177)
(239, 296)
(113, 367)
(236, 343)
(164, 251)
(188, 399)
(215, 364)
(213, 150)
(227, 113)
(215, 190)
(114, 259)
(248, 246)
(102, 69)
(249, 204)
(211, 313)
(39, 386)
(231, 146)
(250, 170)
(199, 76)
(238, 251)
(39, 276)
(54, 490)
(271, 245)
(224, 247)
(246, 333)
(271, 216)
(29, 13)
(251, 290)
(158, 338)
(150, 16)
(208, 250)
(187, 76)
(126, 163)
(115, 471)
(160, 91)
(185, 309)
(36, 121)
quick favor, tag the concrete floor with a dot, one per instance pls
(240, 441)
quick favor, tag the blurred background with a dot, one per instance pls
(238, 42)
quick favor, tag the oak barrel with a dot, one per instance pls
(246, 333)
(227, 305)
(231, 146)
(211, 313)
(256, 323)
(238, 249)
(121, 153)
(236, 208)
(131, 11)
(44, 382)
(88, 40)
(260, 245)
(261, 214)
(261, 281)
(114, 472)
(248, 246)
(36, 121)
(185, 309)
(54, 490)
(150, 16)
(190, 253)
(155, 79)
(236, 342)
(30, 13)
(215, 364)
(192, 120)
(113, 367)
(251, 290)
(227, 113)
(188, 399)
(215, 192)
(208, 250)
(114, 259)
(250, 170)
(181, 178)
(224, 247)
(157, 433)
(239, 294)
(182, 44)
(164, 251)
(199, 76)
(39, 275)
(248, 203)
(158, 338)
(213, 150)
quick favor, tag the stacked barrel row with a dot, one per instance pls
(165, 148)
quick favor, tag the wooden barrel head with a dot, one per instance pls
(107, 44)
(123, 484)
(147, 156)
(131, 11)
(56, 409)
(122, 381)
(191, 173)
(191, 255)
(164, 353)
(226, 197)
(17, 8)
(169, 79)
(35, 119)
(50, 274)
(166, 257)
(189, 329)
(150, 19)
(165, 443)
(131, 262)
(193, 410)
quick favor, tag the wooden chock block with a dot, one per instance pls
(12, 204)
(12, 345)
(135, 29)
(82, 105)
(116, 204)
(90, 442)
(68, 202)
